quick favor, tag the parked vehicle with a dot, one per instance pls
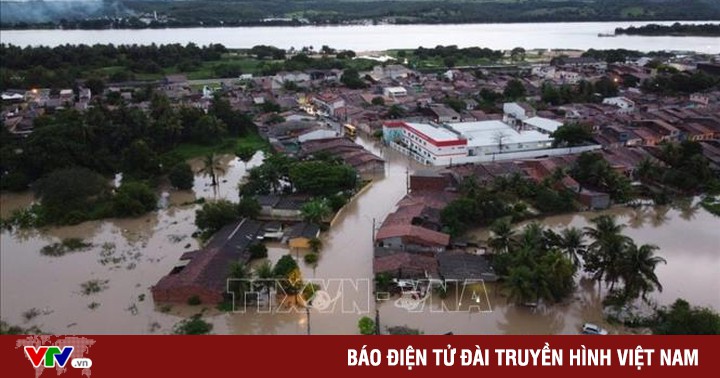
(593, 329)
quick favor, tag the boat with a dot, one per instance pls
(607, 35)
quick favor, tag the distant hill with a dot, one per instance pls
(251, 12)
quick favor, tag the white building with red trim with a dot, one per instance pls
(470, 142)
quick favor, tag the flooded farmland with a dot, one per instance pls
(132, 254)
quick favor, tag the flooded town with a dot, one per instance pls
(430, 190)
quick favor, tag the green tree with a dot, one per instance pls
(603, 255)
(245, 154)
(265, 277)
(519, 284)
(315, 244)
(682, 319)
(514, 89)
(248, 207)
(571, 134)
(502, 236)
(395, 111)
(287, 270)
(140, 161)
(239, 278)
(571, 242)
(315, 211)
(68, 195)
(181, 176)
(321, 179)
(215, 215)
(638, 270)
(351, 79)
(133, 199)
(517, 54)
(211, 166)
(366, 326)
(258, 251)
(95, 85)
(378, 100)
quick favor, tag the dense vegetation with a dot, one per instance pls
(680, 167)
(63, 66)
(505, 197)
(584, 91)
(110, 140)
(676, 29)
(540, 264)
(682, 319)
(253, 12)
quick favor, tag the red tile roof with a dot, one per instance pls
(414, 234)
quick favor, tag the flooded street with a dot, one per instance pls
(132, 254)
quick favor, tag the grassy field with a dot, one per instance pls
(228, 145)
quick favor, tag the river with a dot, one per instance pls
(132, 254)
(578, 35)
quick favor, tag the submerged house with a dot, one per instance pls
(203, 273)
(300, 234)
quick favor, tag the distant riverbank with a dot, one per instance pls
(675, 30)
(580, 36)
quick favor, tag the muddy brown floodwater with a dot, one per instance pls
(132, 254)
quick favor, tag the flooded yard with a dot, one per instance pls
(132, 254)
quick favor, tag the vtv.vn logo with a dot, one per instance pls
(50, 355)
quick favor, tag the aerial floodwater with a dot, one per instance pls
(578, 35)
(132, 254)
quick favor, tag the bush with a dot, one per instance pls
(311, 258)
(215, 215)
(181, 176)
(258, 251)
(134, 199)
(192, 326)
(366, 326)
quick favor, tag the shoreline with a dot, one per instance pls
(36, 27)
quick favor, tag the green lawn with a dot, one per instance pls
(228, 145)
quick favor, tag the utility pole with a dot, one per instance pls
(373, 230)
(377, 320)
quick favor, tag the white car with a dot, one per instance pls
(593, 329)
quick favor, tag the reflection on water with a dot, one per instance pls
(134, 253)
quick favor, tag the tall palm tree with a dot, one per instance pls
(239, 275)
(519, 284)
(503, 236)
(265, 275)
(212, 165)
(571, 242)
(603, 255)
(533, 238)
(638, 270)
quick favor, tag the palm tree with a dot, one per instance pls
(211, 165)
(503, 236)
(315, 245)
(239, 275)
(519, 283)
(533, 238)
(315, 211)
(265, 275)
(603, 255)
(571, 242)
(638, 270)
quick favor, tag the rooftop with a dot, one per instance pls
(439, 134)
(485, 133)
(543, 123)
